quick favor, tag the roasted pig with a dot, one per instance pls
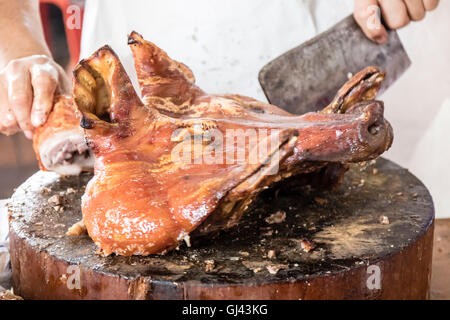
(181, 160)
(59, 144)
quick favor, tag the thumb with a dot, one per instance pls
(44, 85)
(367, 14)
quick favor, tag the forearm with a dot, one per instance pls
(21, 31)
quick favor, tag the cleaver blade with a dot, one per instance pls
(307, 77)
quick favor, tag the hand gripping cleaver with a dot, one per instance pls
(307, 77)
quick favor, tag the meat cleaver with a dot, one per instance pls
(307, 77)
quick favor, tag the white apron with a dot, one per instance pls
(226, 43)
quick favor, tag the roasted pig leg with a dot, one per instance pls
(184, 160)
(59, 144)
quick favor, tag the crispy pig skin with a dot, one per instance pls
(141, 201)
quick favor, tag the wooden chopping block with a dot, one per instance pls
(369, 239)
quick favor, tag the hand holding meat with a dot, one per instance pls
(27, 88)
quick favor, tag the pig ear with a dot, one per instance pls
(102, 91)
(363, 86)
(159, 75)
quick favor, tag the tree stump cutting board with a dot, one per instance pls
(369, 239)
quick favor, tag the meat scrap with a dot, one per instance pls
(307, 245)
(271, 254)
(277, 217)
(8, 295)
(320, 201)
(151, 189)
(77, 229)
(55, 200)
(209, 265)
(384, 220)
(274, 268)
